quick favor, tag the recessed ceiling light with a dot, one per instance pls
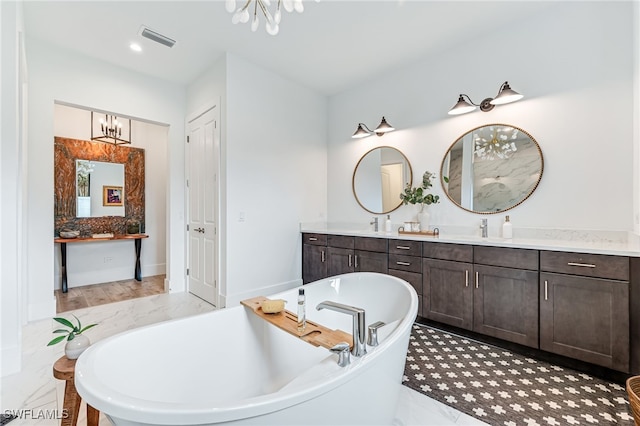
(135, 47)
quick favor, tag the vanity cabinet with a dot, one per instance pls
(576, 305)
(356, 254)
(505, 294)
(446, 284)
(314, 257)
(584, 307)
(405, 262)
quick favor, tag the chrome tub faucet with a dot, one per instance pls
(359, 327)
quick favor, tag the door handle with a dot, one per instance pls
(466, 278)
(322, 256)
(546, 295)
(200, 230)
(477, 273)
(356, 265)
(350, 260)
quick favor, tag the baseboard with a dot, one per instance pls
(234, 299)
(11, 360)
(42, 310)
(121, 273)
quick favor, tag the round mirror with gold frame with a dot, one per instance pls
(492, 168)
(379, 178)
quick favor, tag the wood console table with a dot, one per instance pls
(137, 238)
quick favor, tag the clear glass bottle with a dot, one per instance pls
(302, 313)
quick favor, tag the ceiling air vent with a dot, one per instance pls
(157, 37)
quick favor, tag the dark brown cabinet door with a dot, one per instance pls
(340, 261)
(415, 279)
(585, 318)
(505, 304)
(366, 261)
(448, 292)
(314, 263)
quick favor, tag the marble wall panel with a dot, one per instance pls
(66, 151)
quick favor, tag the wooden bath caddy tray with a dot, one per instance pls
(314, 333)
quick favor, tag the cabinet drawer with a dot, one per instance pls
(506, 257)
(314, 239)
(405, 263)
(587, 265)
(404, 247)
(371, 244)
(340, 241)
(445, 251)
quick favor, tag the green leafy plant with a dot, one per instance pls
(70, 332)
(419, 195)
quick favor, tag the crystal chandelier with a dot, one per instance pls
(498, 143)
(272, 24)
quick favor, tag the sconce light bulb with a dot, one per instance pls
(506, 95)
(461, 107)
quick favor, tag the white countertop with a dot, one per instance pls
(618, 243)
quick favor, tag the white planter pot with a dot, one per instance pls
(73, 348)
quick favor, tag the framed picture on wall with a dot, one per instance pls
(111, 195)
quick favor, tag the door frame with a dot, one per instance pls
(213, 104)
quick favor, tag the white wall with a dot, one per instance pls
(636, 117)
(274, 143)
(578, 105)
(12, 184)
(86, 262)
(59, 75)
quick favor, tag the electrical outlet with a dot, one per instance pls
(108, 259)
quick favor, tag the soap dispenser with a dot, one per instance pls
(387, 224)
(507, 228)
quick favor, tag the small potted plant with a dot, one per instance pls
(420, 196)
(76, 341)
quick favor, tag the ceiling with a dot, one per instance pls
(331, 46)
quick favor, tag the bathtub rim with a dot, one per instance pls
(135, 409)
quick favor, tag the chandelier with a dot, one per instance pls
(110, 129)
(495, 142)
(272, 21)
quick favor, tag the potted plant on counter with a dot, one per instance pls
(420, 196)
(76, 341)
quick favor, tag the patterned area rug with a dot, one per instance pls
(503, 388)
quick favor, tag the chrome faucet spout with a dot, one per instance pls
(484, 227)
(359, 327)
(374, 222)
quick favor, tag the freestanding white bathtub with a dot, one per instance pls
(231, 366)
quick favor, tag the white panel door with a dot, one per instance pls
(392, 185)
(202, 188)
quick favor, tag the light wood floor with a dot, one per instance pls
(100, 294)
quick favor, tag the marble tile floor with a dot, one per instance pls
(35, 388)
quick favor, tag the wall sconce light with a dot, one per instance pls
(363, 131)
(505, 95)
(109, 129)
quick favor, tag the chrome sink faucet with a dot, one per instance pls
(359, 327)
(374, 222)
(485, 228)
